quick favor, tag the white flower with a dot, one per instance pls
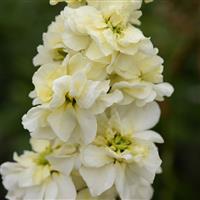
(124, 153)
(136, 4)
(71, 3)
(43, 81)
(128, 8)
(70, 101)
(139, 77)
(54, 2)
(64, 122)
(41, 174)
(53, 50)
(109, 33)
(94, 105)
(46, 77)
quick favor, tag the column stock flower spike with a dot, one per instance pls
(94, 105)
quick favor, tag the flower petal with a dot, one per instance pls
(75, 41)
(130, 187)
(98, 179)
(63, 122)
(150, 136)
(60, 89)
(61, 164)
(163, 89)
(77, 84)
(93, 156)
(106, 101)
(88, 125)
(35, 118)
(51, 190)
(66, 188)
(92, 90)
(137, 118)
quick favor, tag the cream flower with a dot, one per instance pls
(71, 3)
(53, 50)
(128, 8)
(67, 121)
(124, 153)
(139, 77)
(109, 33)
(43, 81)
(41, 174)
(45, 77)
(54, 2)
(101, 3)
(78, 73)
(94, 105)
(70, 101)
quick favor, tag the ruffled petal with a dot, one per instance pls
(98, 179)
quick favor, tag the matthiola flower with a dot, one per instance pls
(109, 33)
(46, 76)
(54, 2)
(70, 102)
(41, 174)
(71, 3)
(101, 4)
(139, 77)
(129, 8)
(93, 107)
(53, 50)
(124, 154)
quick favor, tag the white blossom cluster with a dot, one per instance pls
(94, 103)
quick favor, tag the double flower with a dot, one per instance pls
(93, 107)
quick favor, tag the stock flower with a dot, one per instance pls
(43, 81)
(53, 50)
(109, 33)
(54, 2)
(45, 77)
(71, 3)
(101, 3)
(139, 77)
(94, 105)
(41, 174)
(128, 8)
(70, 103)
(124, 154)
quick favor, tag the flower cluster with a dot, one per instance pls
(94, 103)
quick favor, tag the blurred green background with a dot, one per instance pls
(174, 26)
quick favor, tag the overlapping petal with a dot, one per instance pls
(94, 105)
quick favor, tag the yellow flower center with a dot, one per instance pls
(118, 143)
(70, 99)
(59, 54)
(41, 159)
(115, 22)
